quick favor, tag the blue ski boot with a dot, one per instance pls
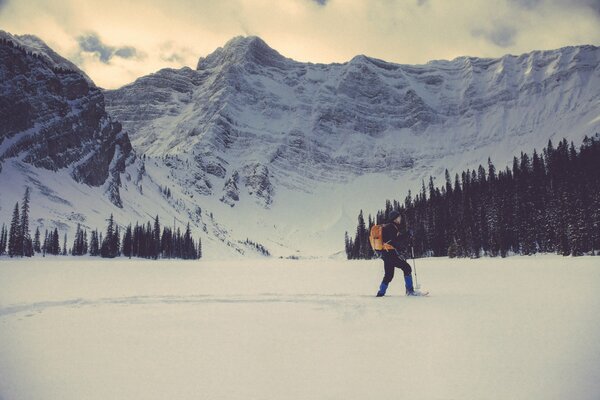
(382, 288)
(409, 285)
(410, 290)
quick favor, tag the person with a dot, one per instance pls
(398, 238)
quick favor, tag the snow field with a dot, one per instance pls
(84, 328)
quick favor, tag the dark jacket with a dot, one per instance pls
(394, 235)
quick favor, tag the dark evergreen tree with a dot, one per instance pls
(110, 244)
(177, 244)
(3, 240)
(148, 241)
(116, 242)
(85, 242)
(360, 245)
(188, 244)
(27, 243)
(37, 246)
(46, 245)
(156, 239)
(128, 242)
(77, 249)
(80, 243)
(15, 241)
(55, 243)
(135, 241)
(166, 243)
(94, 244)
(348, 246)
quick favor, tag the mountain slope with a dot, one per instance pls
(53, 116)
(247, 107)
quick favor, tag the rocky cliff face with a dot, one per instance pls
(53, 116)
(247, 108)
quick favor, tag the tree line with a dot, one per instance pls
(545, 203)
(144, 241)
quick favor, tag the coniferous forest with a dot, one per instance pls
(145, 241)
(545, 203)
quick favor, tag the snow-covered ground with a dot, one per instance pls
(82, 328)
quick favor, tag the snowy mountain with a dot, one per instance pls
(254, 145)
(53, 116)
(250, 122)
(246, 107)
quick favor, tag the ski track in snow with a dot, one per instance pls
(333, 300)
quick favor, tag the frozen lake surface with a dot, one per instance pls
(86, 328)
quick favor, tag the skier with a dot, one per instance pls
(397, 238)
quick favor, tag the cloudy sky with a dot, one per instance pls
(116, 41)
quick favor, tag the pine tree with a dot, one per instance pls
(55, 243)
(80, 244)
(3, 240)
(110, 246)
(166, 242)
(156, 239)
(46, 244)
(576, 229)
(188, 244)
(15, 242)
(77, 249)
(128, 242)
(116, 242)
(348, 246)
(148, 241)
(36, 241)
(94, 244)
(359, 251)
(85, 242)
(64, 249)
(590, 180)
(26, 244)
(177, 244)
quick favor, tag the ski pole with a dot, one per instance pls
(412, 249)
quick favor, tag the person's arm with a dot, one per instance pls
(388, 234)
(391, 235)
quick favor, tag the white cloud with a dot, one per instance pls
(177, 32)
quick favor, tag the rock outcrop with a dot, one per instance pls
(53, 116)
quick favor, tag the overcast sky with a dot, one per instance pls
(116, 41)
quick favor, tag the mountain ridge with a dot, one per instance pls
(254, 145)
(363, 96)
(54, 117)
(319, 129)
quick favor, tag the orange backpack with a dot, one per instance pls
(376, 239)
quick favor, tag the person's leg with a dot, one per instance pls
(408, 281)
(407, 270)
(388, 266)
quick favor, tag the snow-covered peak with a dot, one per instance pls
(53, 116)
(36, 46)
(242, 49)
(251, 132)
